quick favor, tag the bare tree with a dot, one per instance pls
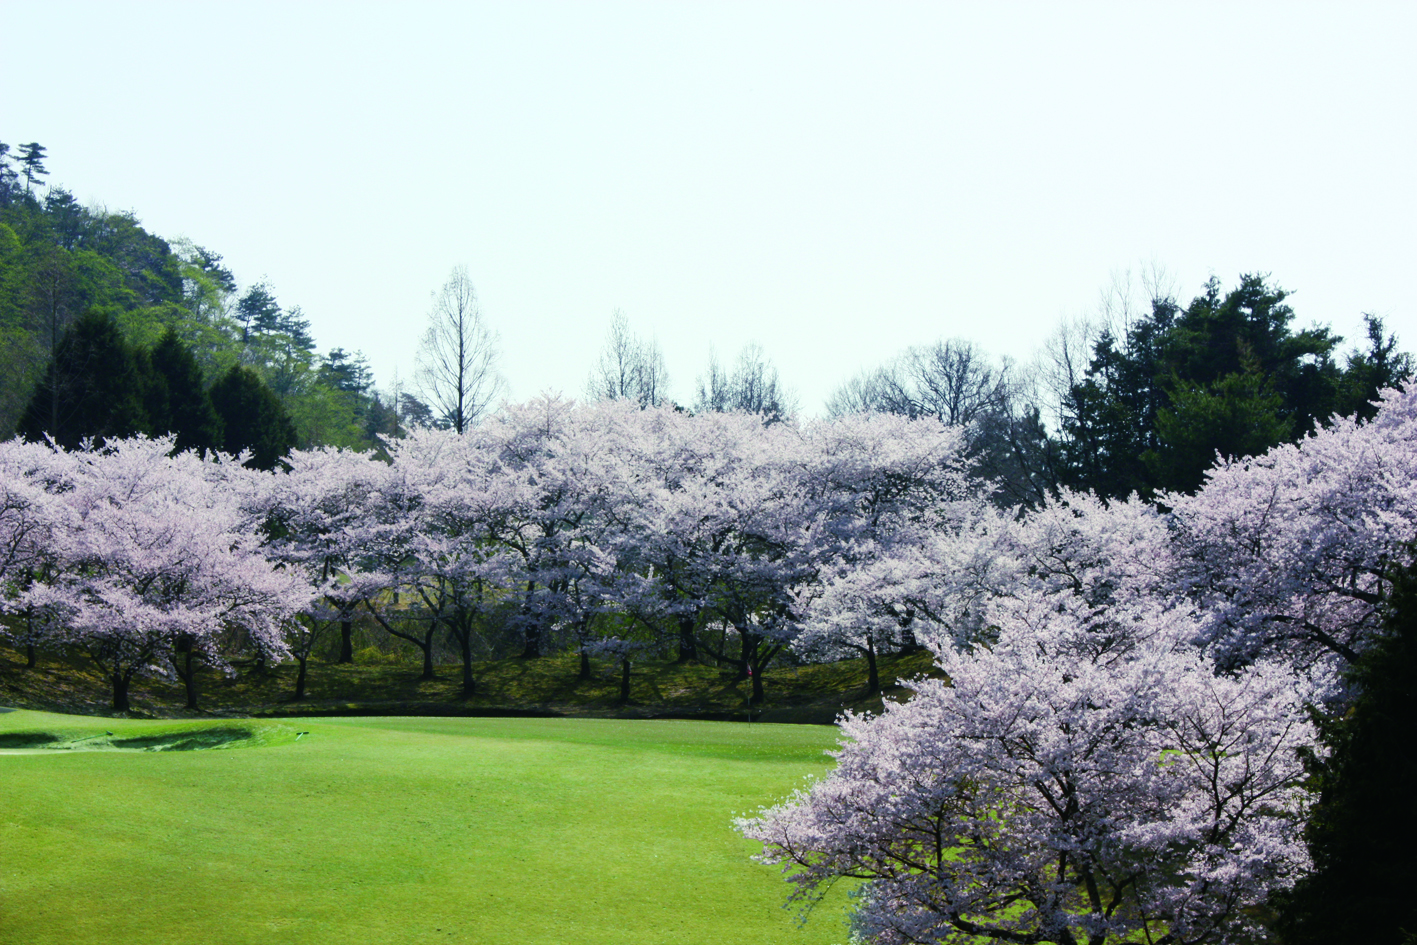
(953, 380)
(457, 360)
(753, 386)
(956, 382)
(629, 368)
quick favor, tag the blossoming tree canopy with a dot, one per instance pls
(1065, 786)
(151, 550)
(1290, 553)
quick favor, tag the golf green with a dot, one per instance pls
(397, 830)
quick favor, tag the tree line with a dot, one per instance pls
(1139, 400)
(62, 262)
(1130, 402)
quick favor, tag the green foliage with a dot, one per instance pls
(177, 400)
(1364, 828)
(1225, 374)
(1378, 367)
(252, 418)
(373, 656)
(60, 259)
(93, 387)
(1238, 415)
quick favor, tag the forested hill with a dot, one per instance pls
(61, 262)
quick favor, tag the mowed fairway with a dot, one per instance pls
(402, 830)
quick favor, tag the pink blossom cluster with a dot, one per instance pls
(1116, 754)
(128, 551)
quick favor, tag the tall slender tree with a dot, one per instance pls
(457, 361)
(32, 158)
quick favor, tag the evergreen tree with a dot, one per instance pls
(66, 216)
(1363, 831)
(1226, 373)
(32, 157)
(177, 397)
(258, 312)
(93, 386)
(1238, 415)
(9, 180)
(252, 418)
(1379, 367)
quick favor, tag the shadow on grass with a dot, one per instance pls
(550, 685)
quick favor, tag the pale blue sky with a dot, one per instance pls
(833, 181)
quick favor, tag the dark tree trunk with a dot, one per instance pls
(469, 685)
(120, 691)
(585, 667)
(182, 662)
(424, 643)
(751, 667)
(346, 641)
(719, 658)
(300, 676)
(688, 646)
(30, 659)
(531, 633)
(189, 678)
(873, 679)
(624, 680)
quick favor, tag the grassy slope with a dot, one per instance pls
(402, 830)
(815, 693)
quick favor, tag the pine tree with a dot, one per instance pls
(93, 387)
(252, 418)
(1363, 831)
(177, 398)
(32, 157)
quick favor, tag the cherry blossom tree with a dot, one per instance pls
(1290, 553)
(1081, 780)
(155, 554)
(30, 475)
(732, 528)
(454, 568)
(884, 487)
(316, 516)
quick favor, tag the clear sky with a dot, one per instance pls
(833, 181)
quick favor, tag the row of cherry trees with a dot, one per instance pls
(1117, 756)
(603, 528)
(142, 559)
(609, 527)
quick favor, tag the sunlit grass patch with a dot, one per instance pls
(400, 830)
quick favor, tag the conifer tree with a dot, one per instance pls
(252, 418)
(93, 387)
(32, 157)
(177, 398)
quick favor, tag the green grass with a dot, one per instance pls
(397, 830)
